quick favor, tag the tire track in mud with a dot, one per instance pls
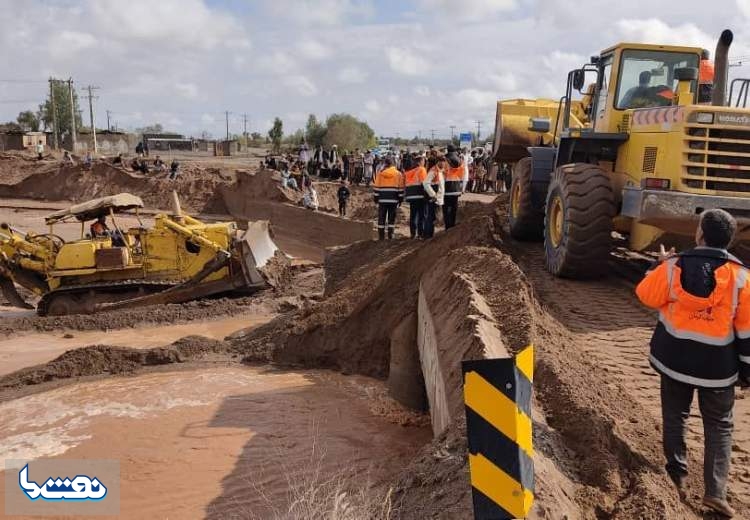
(611, 325)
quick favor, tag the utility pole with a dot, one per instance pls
(453, 127)
(479, 129)
(54, 113)
(91, 115)
(109, 129)
(227, 116)
(432, 133)
(244, 128)
(72, 115)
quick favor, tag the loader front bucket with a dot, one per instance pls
(262, 262)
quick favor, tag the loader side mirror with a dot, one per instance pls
(579, 79)
(541, 125)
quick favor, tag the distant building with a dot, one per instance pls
(20, 140)
(107, 142)
(167, 141)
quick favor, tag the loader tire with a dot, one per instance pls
(525, 222)
(578, 221)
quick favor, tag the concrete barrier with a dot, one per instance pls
(427, 344)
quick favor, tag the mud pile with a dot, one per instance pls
(74, 183)
(16, 166)
(598, 449)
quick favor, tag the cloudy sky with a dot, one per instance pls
(405, 66)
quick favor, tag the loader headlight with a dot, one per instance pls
(707, 118)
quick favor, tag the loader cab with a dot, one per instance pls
(632, 76)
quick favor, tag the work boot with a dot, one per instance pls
(719, 505)
(390, 234)
(381, 234)
(679, 483)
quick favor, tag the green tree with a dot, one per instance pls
(155, 128)
(314, 131)
(296, 138)
(348, 133)
(62, 108)
(255, 136)
(276, 133)
(29, 121)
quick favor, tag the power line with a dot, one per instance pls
(91, 113)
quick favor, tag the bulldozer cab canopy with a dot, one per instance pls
(96, 208)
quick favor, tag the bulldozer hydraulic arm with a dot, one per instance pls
(194, 236)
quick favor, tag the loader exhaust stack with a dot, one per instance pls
(721, 68)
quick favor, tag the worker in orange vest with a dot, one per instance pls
(456, 178)
(705, 79)
(414, 194)
(388, 190)
(701, 343)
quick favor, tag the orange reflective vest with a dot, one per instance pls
(454, 180)
(388, 187)
(703, 334)
(413, 179)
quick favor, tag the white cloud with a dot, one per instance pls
(393, 99)
(472, 98)
(468, 10)
(171, 23)
(407, 62)
(301, 84)
(72, 42)
(278, 62)
(422, 90)
(313, 49)
(372, 106)
(320, 12)
(208, 119)
(653, 30)
(187, 90)
(352, 75)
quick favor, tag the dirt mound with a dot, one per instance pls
(103, 359)
(196, 187)
(351, 329)
(598, 449)
(16, 166)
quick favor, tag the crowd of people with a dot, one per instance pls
(430, 182)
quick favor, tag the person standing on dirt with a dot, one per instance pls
(343, 195)
(434, 187)
(369, 163)
(40, 150)
(456, 179)
(174, 169)
(701, 343)
(414, 194)
(139, 149)
(388, 190)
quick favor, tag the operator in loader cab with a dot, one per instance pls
(701, 343)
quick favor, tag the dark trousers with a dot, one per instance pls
(416, 218)
(342, 208)
(430, 210)
(450, 209)
(386, 219)
(716, 407)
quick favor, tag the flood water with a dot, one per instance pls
(219, 442)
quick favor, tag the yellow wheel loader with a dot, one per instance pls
(642, 151)
(178, 259)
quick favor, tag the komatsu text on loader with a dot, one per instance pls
(646, 149)
(178, 259)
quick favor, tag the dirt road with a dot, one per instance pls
(609, 324)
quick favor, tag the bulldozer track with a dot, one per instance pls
(614, 329)
(131, 283)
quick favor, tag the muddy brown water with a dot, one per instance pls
(35, 348)
(218, 442)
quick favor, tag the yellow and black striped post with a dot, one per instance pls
(497, 395)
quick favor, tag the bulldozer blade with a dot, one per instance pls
(10, 292)
(256, 251)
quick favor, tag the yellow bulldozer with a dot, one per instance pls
(641, 151)
(177, 259)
